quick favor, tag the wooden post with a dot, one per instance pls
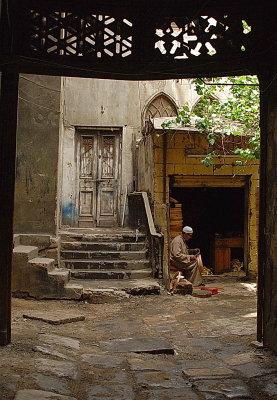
(8, 123)
(267, 272)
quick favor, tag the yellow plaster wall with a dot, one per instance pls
(183, 157)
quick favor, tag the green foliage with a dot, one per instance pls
(208, 160)
(235, 115)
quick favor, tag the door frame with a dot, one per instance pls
(185, 181)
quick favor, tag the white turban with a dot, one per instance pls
(187, 229)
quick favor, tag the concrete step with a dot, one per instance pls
(43, 263)
(103, 237)
(106, 255)
(104, 264)
(39, 240)
(110, 274)
(60, 274)
(25, 252)
(105, 246)
(73, 290)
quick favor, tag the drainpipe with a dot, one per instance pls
(164, 166)
(165, 145)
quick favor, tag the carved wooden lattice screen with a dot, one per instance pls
(66, 34)
(184, 38)
(102, 39)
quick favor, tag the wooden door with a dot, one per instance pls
(98, 179)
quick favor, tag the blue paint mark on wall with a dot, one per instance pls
(69, 213)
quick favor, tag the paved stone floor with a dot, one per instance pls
(142, 348)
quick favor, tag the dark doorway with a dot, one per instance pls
(213, 213)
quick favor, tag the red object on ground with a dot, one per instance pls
(214, 290)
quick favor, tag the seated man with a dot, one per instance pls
(184, 259)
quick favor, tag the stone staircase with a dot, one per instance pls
(37, 276)
(83, 263)
(107, 259)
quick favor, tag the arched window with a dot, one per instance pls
(161, 106)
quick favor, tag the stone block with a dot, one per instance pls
(42, 263)
(24, 253)
(201, 293)
(223, 170)
(158, 197)
(52, 253)
(251, 370)
(190, 160)
(47, 350)
(112, 391)
(59, 368)
(40, 241)
(99, 296)
(223, 389)
(158, 170)
(50, 383)
(60, 275)
(208, 373)
(31, 394)
(241, 358)
(184, 169)
(158, 185)
(142, 364)
(175, 156)
(171, 394)
(158, 155)
(160, 379)
(170, 168)
(103, 361)
(202, 170)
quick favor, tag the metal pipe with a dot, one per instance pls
(164, 165)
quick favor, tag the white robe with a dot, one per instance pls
(179, 258)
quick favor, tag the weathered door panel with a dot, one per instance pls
(98, 179)
(108, 180)
(87, 179)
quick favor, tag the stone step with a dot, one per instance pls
(39, 240)
(106, 255)
(98, 291)
(60, 274)
(100, 237)
(43, 263)
(25, 252)
(110, 274)
(104, 264)
(105, 246)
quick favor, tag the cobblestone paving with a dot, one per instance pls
(144, 348)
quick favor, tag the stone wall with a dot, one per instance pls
(37, 154)
(95, 103)
(183, 157)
